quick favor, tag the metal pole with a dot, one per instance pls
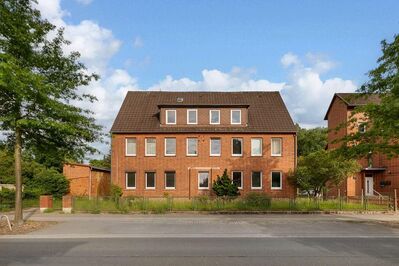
(362, 199)
(395, 205)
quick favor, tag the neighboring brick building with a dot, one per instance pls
(378, 174)
(82, 176)
(178, 142)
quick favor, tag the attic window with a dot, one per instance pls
(179, 100)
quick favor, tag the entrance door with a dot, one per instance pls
(369, 185)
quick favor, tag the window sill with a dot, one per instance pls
(236, 155)
(170, 188)
(256, 155)
(256, 188)
(149, 155)
(215, 155)
(130, 155)
(130, 188)
(276, 188)
(150, 188)
(170, 155)
(192, 155)
(277, 155)
(203, 188)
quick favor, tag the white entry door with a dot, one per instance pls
(369, 185)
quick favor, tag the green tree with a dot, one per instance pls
(38, 82)
(321, 169)
(311, 140)
(224, 186)
(105, 162)
(382, 134)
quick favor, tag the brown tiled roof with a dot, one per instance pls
(354, 99)
(140, 111)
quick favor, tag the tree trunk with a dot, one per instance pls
(18, 217)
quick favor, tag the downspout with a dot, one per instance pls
(189, 183)
(90, 169)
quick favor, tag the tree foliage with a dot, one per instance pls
(105, 162)
(382, 134)
(311, 140)
(321, 169)
(38, 83)
(224, 186)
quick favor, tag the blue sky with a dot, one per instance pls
(307, 50)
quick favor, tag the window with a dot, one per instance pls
(150, 180)
(256, 180)
(171, 117)
(150, 147)
(131, 147)
(130, 180)
(170, 146)
(214, 117)
(203, 180)
(215, 147)
(192, 116)
(192, 147)
(276, 146)
(237, 179)
(170, 180)
(236, 144)
(256, 147)
(235, 116)
(362, 128)
(276, 180)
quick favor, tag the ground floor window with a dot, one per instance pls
(130, 180)
(276, 180)
(150, 180)
(256, 180)
(203, 180)
(170, 180)
(237, 178)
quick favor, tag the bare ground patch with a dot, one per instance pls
(27, 227)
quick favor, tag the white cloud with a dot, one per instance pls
(289, 59)
(138, 42)
(216, 80)
(306, 94)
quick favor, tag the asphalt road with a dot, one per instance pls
(204, 240)
(201, 251)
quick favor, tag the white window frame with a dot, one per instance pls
(135, 180)
(166, 117)
(360, 125)
(188, 154)
(281, 180)
(166, 154)
(145, 148)
(261, 147)
(196, 116)
(261, 180)
(242, 178)
(130, 154)
(210, 147)
(198, 175)
(155, 180)
(231, 116)
(210, 117)
(174, 187)
(232, 145)
(281, 147)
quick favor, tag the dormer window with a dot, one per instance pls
(192, 116)
(214, 117)
(171, 117)
(235, 117)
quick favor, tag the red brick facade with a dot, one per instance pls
(384, 171)
(82, 176)
(187, 167)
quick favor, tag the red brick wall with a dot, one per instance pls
(337, 115)
(79, 182)
(186, 179)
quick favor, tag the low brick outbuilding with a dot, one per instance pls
(86, 180)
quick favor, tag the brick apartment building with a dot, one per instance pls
(178, 142)
(379, 175)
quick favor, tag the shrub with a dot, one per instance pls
(40, 180)
(7, 196)
(224, 186)
(116, 192)
(257, 200)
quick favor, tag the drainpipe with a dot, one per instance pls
(90, 169)
(189, 182)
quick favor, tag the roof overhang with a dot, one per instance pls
(203, 105)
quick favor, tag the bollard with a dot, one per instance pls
(46, 202)
(67, 204)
